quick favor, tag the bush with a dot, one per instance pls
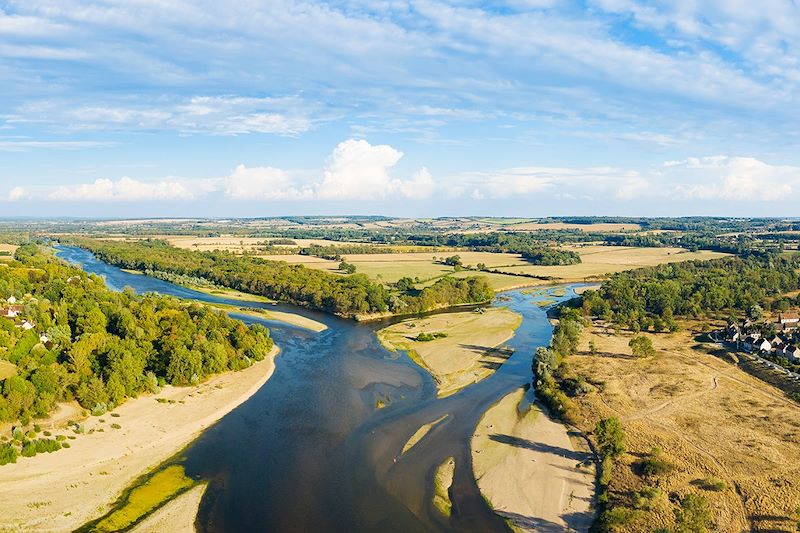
(617, 519)
(28, 449)
(712, 483)
(99, 409)
(8, 454)
(426, 337)
(693, 515)
(646, 498)
(655, 464)
(116, 426)
(610, 437)
(642, 346)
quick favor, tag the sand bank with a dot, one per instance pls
(177, 516)
(470, 351)
(527, 467)
(62, 490)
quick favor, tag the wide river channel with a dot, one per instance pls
(312, 451)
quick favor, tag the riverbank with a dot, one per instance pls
(60, 491)
(530, 470)
(466, 348)
(279, 316)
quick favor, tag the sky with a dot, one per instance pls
(404, 108)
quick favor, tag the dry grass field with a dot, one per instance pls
(599, 261)
(238, 244)
(9, 250)
(468, 353)
(7, 369)
(712, 421)
(600, 227)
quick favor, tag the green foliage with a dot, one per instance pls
(654, 464)
(692, 288)
(347, 268)
(8, 454)
(544, 256)
(616, 519)
(642, 346)
(712, 483)
(427, 337)
(107, 346)
(610, 437)
(694, 514)
(308, 287)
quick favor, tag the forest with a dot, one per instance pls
(652, 296)
(341, 295)
(100, 347)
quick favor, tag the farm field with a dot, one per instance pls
(716, 426)
(7, 251)
(598, 261)
(235, 243)
(599, 227)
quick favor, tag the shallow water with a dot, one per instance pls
(310, 451)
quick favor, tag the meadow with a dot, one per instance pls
(720, 432)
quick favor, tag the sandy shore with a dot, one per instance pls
(62, 490)
(280, 316)
(526, 466)
(470, 351)
(177, 516)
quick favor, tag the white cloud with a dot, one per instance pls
(124, 189)
(22, 145)
(360, 171)
(735, 178)
(262, 183)
(16, 193)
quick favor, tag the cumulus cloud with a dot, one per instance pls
(734, 178)
(526, 181)
(16, 193)
(124, 189)
(262, 183)
(357, 170)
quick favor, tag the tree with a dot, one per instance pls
(346, 267)
(592, 347)
(642, 346)
(755, 312)
(610, 437)
(694, 515)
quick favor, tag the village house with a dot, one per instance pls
(792, 353)
(788, 321)
(755, 344)
(10, 311)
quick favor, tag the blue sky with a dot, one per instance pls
(420, 108)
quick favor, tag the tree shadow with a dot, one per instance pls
(580, 457)
(574, 522)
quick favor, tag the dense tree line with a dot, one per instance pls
(101, 347)
(652, 296)
(343, 295)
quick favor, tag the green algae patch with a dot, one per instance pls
(144, 498)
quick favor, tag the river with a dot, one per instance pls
(311, 450)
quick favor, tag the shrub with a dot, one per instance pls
(30, 434)
(28, 449)
(426, 337)
(46, 433)
(712, 483)
(617, 519)
(642, 346)
(116, 426)
(646, 498)
(610, 437)
(17, 433)
(37, 428)
(66, 445)
(693, 515)
(8, 454)
(655, 464)
(99, 409)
